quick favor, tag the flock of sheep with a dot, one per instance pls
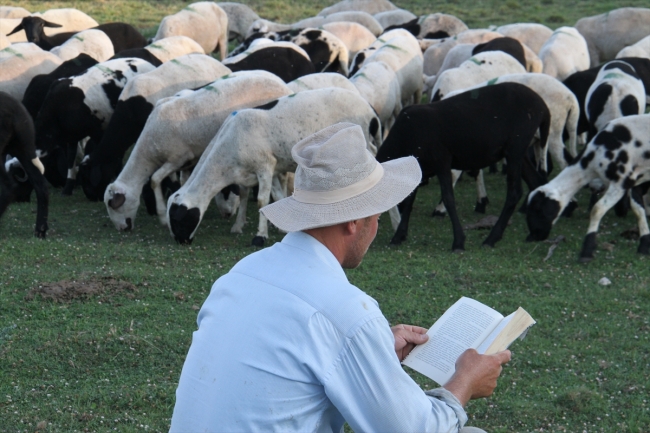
(76, 95)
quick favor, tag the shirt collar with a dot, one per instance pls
(309, 244)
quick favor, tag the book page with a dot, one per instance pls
(464, 325)
(510, 328)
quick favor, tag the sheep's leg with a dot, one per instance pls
(240, 220)
(447, 189)
(638, 207)
(612, 195)
(156, 184)
(395, 217)
(481, 194)
(6, 189)
(440, 210)
(265, 181)
(72, 170)
(513, 195)
(278, 192)
(556, 148)
(402, 229)
(35, 175)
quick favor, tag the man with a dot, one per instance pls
(286, 343)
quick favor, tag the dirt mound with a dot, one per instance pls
(67, 291)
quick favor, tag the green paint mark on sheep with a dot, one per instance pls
(14, 52)
(475, 60)
(190, 8)
(614, 75)
(78, 37)
(394, 47)
(474, 94)
(212, 89)
(492, 81)
(105, 70)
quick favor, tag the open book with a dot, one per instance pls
(467, 324)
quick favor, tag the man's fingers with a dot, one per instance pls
(503, 357)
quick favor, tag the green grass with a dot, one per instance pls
(110, 361)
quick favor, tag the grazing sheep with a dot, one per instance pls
(363, 18)
(17, 139)
(13, 12)
(240, 18)
(479, 68)
(70, 20)
(394, 18)
(81, 106)
(255, 144)
(606, 34)
(470, 131)
(205, 22)
(327, 52)
(370, 6)
(564, 53)
(94, 43)
(379, 85)
(533, 35)
(617, 91)
(176, 134)
(321, 81)
(640, 49)
(434, 55)
(435, 26)
(19, 48)
(17, 70)
(166, 49)
(619, 156)
(284, 59)
(355, 36)
(135, 104)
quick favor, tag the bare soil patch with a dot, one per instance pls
(65, 291)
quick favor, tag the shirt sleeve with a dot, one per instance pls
(374, 394)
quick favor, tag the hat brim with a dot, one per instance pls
(401, 177)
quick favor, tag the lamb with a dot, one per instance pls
(82, 106)
(240, 18)
(205, 22)
(370, 6)
(639, 49)
(123, 36)
(564, 53)
(95, 43)
(502, 121)
(617, 91)
(378, 84)
(16, 71)
(606, 34)
(619, 156)
(321, 81)
(481, 67)
(255, 144)
(17, 138)
(435, 54)
(135, 104)
(394, 18)
(176, 134)
(284, 59)
(533, 35)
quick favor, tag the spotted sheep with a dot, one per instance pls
(619, 156)
(617, 91)
(255, 144)
(177, 133)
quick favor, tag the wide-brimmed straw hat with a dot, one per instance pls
(338, 180)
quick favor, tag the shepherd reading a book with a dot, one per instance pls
(286, 343)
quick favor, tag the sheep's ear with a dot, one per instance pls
(49, 24)
(18, 28)
(117, 200)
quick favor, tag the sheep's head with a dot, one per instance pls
(122, 205)
(183, 219)
(33, 27)
(541, 214)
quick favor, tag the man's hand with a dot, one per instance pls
(476, 375)
(406, 338)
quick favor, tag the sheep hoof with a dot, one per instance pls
(644, 245)
(69, 186)
(585, 259)
(458, 250)
(488, 245)
(41, 232)
(235, 229)
(481, 205)
(568, 211)
(397, 239)
(258, 241)
(438, 214)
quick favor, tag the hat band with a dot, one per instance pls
(329, 197)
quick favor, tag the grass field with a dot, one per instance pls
(95, 324)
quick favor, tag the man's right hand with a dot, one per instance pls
(476, 375)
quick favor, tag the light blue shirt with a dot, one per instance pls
(286, 344)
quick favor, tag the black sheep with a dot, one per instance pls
(470, 131)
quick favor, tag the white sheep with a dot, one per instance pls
(255, 144)
(394, 17)
(606, 34)
(320, 81)
(355, 36)
(20, 48)
(479, 68)
(435, 54)
(93, 42)
(70, 20)
(205, 22)
(564, 53)
(533, 35)
(4, 41)
(7, 24)
(17, 70)
(240, 18)
(370, 6)
(365, 19)
(166, 49)
(176, 134)
(440, 25)
(640, 49)
(378, 84)
(13, 12)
